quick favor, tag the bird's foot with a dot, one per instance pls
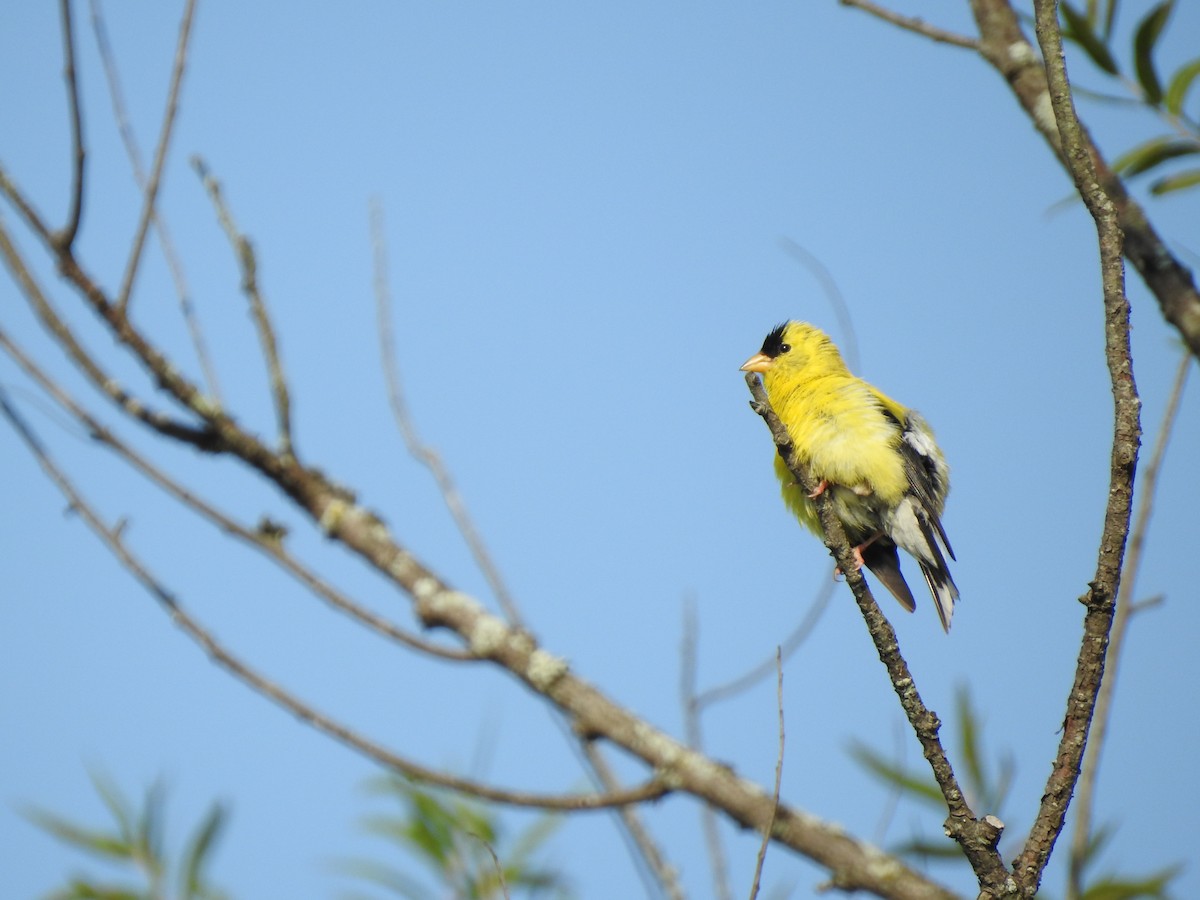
(818, 490)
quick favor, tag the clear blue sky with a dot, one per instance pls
(584, 210)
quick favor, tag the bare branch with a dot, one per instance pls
(790, 645)
(418, 449)
(1100, 598)
(174, 263)
(113, 538)
(248, 265)
(1085, 793)
(63, 239)
(656, 871)
(1004, 45)
(762, 850)
(266, 539)
(150, 195)
(695, 739)
(977, 837)
(914, 24)
(201, 438)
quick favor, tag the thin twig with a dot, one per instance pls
(418, 449)
(694, 734)
(1101, 595)
(1081, 836)
(113, 538)
(977, 837)
(790, 645)
(666, 878)
(914, 24)
(248, 265)
(833, 294)
(166, 242)
(201, 438)
(267, 538)
(150, 195)
(766, 841)
(66, 237)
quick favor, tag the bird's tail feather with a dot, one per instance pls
(884, 562)
(944, 591)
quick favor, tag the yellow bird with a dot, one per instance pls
(876, 460)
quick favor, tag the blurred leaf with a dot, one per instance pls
(947, 849)
(1148, 32)
(1080, 31)
(1176, 182)
(968, 723)
(1177, 90)
(94, 841)
(195, 856)
(1115, 888)
(1153, 152)
(920, 786)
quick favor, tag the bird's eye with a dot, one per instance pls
(784, 348)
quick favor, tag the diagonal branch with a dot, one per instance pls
(914, 24)
(1081, 836)
(150, 196)
(1100, 598)
(1004, 45)
(166, 243)
(977, 837)
(248, 264)
(112, 537)
(418, 449)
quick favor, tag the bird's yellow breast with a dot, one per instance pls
(841, 432)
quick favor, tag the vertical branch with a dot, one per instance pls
(1100, 598)
(417, 448)
(1082, 834)
(62, 240)
(248, 265)
(977, 837)
(762, 850)
(174, 263)
(150, 195)
(694, 734)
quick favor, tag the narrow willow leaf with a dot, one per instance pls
(919, 786)
(1156, 151)
(1177, 182)
(1148, 32)
(1178, 88)
(1080, 31)
(196, 855)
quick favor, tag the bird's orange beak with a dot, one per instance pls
(759, 362)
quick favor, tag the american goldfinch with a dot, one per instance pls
(876, 460)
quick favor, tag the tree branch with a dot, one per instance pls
(150, 197)
(113, 538)
(977, 837)
(64, 238)
(1089, 672)
(1125, 610)
(248, 265)
(1004, 45)
(914, 24)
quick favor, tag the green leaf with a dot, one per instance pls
(1080, 31)
(1152, 887)
(1148, 32)
(1153, 152)
(907, 782)
(968, 722)
(1177, 182)
(196, 855)
(946, 850)
(1177, 90)
(89, 839)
